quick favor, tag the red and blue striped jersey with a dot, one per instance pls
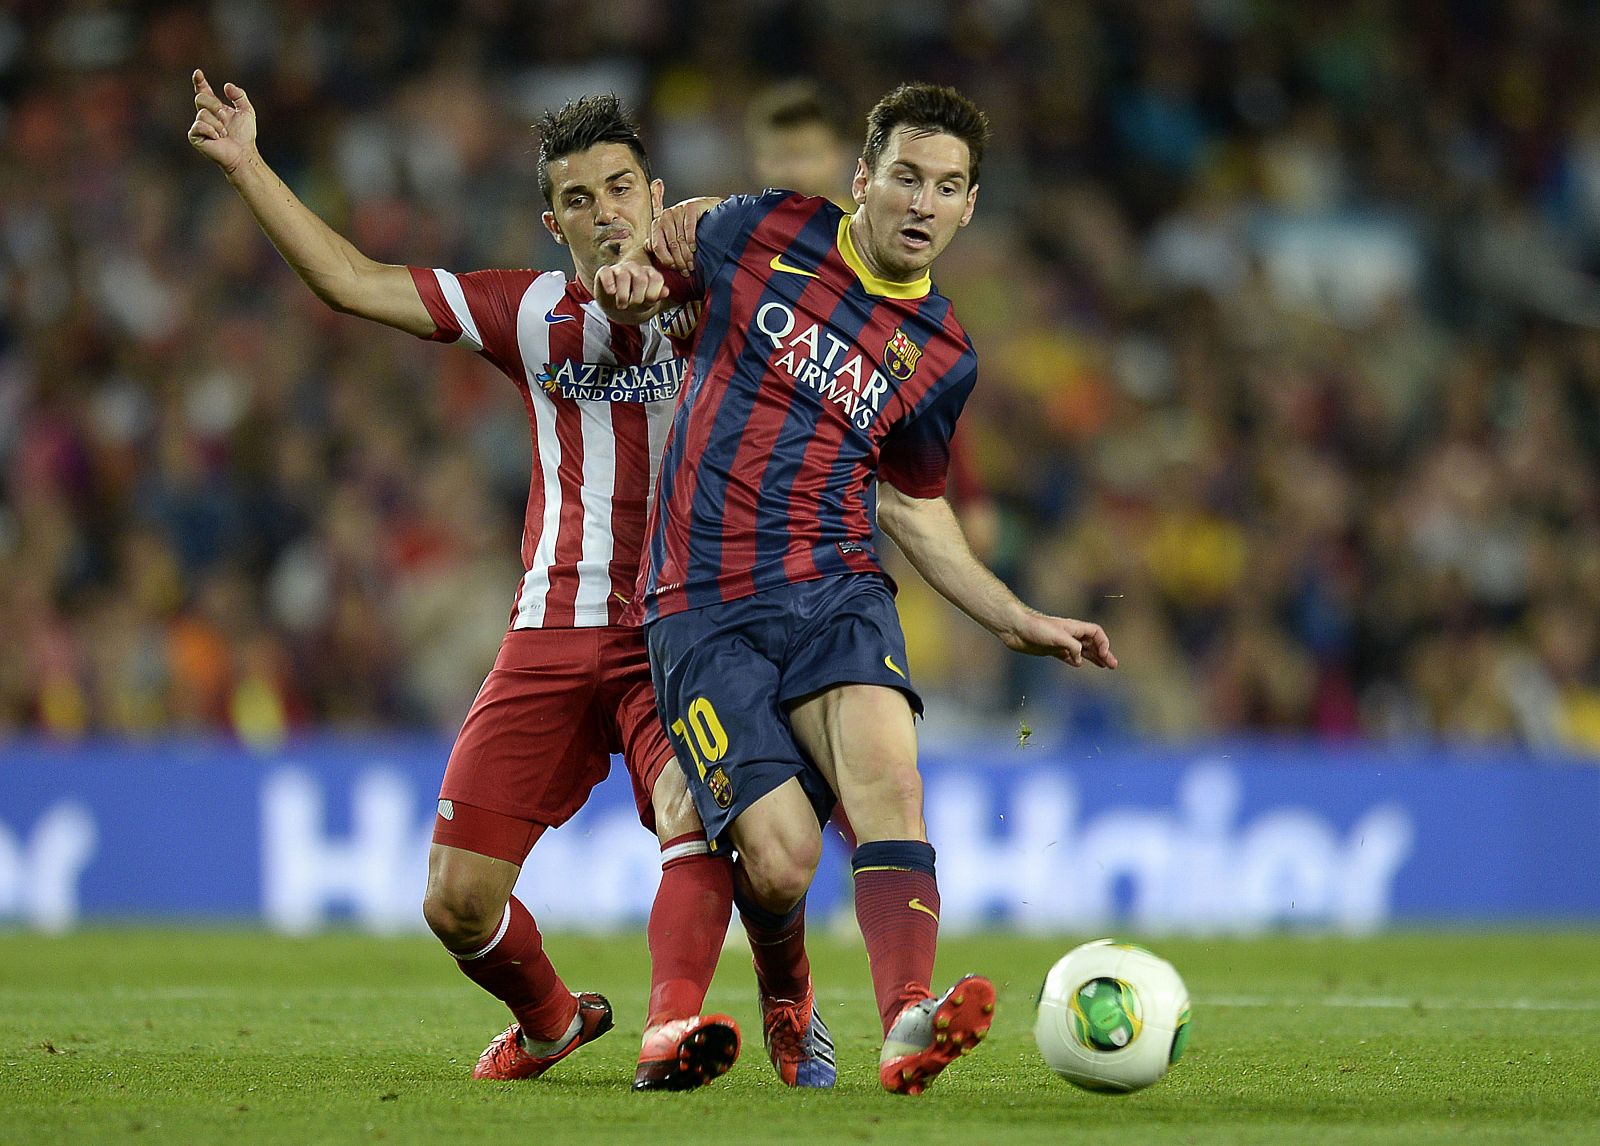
(809, 379)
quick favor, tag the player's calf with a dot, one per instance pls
(930, 1034)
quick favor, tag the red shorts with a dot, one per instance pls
(542, 730)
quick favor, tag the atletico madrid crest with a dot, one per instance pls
(900, 355)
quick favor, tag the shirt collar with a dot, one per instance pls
(918, 288)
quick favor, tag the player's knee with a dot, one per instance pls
(462, 917)
(780, 874)
(886, 805)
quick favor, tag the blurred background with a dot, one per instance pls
(1287, 315)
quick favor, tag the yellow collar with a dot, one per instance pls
(918, 288)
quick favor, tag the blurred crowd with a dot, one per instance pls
(1287, 316)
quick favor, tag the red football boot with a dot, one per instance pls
(687, 1053)
(505, 1058)
(798, 1041)
(932, 1033)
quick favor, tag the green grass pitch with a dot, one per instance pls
(181, 1036)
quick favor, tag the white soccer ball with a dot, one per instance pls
(1112, 1017)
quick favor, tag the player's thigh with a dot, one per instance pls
(533, 745)
(628, 707)
(716, 685)
(672, 804)
(863, 738)
(852, 704)
(848, 634)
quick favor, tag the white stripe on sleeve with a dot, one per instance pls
(456, 297)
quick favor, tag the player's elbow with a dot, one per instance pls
(339, 292)
(340, 303)
(898, 513)
(350, 283)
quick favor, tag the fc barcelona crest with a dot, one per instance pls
(721, 787)
(900, 355)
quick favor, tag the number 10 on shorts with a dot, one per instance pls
(708, 734)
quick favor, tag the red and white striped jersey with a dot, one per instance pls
(600, 398)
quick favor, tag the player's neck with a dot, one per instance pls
(856, 255)
(857, 229)
(584, 275)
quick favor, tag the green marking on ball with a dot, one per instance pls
(1180, 1038)
(1105, 1014)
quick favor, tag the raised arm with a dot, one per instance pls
(224, 131)
(928, 534)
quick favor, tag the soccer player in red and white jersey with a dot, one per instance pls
(571, 684)
(826, 364)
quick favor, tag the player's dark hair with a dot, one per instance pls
(794, 103)
(581, 124)
(927, 109)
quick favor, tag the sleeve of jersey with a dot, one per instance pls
(966, 484)
(915, 455)
(723, 229)
(478, 309)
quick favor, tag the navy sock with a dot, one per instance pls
(777, 947)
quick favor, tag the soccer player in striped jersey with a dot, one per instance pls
(825, 362)
(571, 683)
(797, 143)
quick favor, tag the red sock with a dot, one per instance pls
(688, 922)
(897, 906)
(514, 969)
(777, 947)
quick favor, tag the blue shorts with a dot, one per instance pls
(726, 674)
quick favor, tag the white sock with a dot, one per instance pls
(539, 1049)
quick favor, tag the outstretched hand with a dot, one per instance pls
(1064, 638)
(224, 131)
(630, 291)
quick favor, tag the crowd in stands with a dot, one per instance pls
(1287, 317)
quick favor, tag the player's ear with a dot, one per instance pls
(858, 185)
(657, 190)
(550, 224)
(972, 202)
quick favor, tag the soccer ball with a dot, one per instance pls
(1112, 1017)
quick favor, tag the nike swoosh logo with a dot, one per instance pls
(552, 317)
(778, 264)
(894, 668)
(916, 904)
